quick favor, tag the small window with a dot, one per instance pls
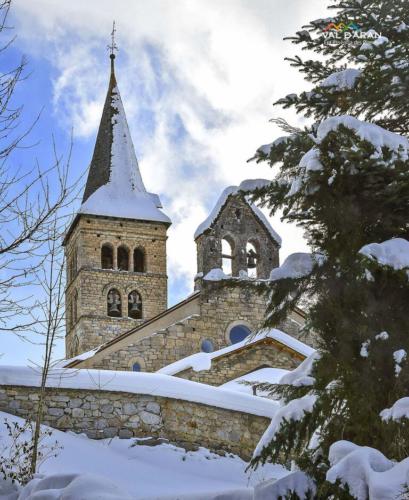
(238, 333)
(123, 259)
(136, 367)
(107, 257)
(139, 260)
(114, 306)
(134, 305)
(75, 307)
(206, 346)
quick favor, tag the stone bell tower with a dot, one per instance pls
(115, 248)
(236, 237)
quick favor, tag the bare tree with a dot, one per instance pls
(30, 201)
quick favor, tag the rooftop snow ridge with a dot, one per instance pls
(247, 185)
(203, 360)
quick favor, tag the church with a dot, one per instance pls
(117, 312)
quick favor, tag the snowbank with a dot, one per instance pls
(203, 360)
(141, 472)
(367, 472)
(295, 482)
(155, 384)
(246, 185)
(392, 253)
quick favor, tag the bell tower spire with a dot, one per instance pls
(116, 246)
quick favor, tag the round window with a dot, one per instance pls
(238, 333)
(136, 367)
(207, 346)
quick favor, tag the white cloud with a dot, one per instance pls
(198, 80)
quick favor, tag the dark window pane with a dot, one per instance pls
(238, 333)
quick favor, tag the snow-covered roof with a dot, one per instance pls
(246, 185)
(154, 384)
(262, 375)
(114, 186)
(203, 360)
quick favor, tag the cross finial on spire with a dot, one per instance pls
(113, 46)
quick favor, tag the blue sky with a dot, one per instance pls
(197, 79)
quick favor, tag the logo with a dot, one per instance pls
(342, 27)
(347, 32)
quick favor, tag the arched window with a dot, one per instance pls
(134, 305)
(107, 257)
(227, 257)
(123, 258)
(238, 333)
(114, 306)
(252, 260)
(136, 367)
(138, 260)
(206, 345)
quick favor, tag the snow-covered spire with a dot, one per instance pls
(114, 186)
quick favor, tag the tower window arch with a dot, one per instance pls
(134, 305)
(107, 256)
(252, 259)
(227, 256)
(75, 307)
(114, 304)
(139, 260)
(123, 258)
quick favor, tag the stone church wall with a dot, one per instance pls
(234, 365)
(103, 414)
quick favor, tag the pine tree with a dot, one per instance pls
(345, 180)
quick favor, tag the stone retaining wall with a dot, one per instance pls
(102, 414)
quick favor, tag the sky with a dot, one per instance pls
(198, 79)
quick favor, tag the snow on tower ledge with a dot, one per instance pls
(247, 185)
(114, 185)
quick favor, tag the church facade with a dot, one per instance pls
(116, 295)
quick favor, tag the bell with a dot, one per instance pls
(251, 259)
(135, 307)
(113, 307)
(113, 301)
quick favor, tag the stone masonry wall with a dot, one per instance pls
(225, 368)
(220, 307)
(103, 414)
(88, 284)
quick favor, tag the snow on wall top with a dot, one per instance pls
(115, 187)
(203, 360)
(246, 185)
(153, 384)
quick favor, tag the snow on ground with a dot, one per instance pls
(392, 253)
(203, 360)
(263, 375)
(143, 472)
(139, 383)
(367, 472)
